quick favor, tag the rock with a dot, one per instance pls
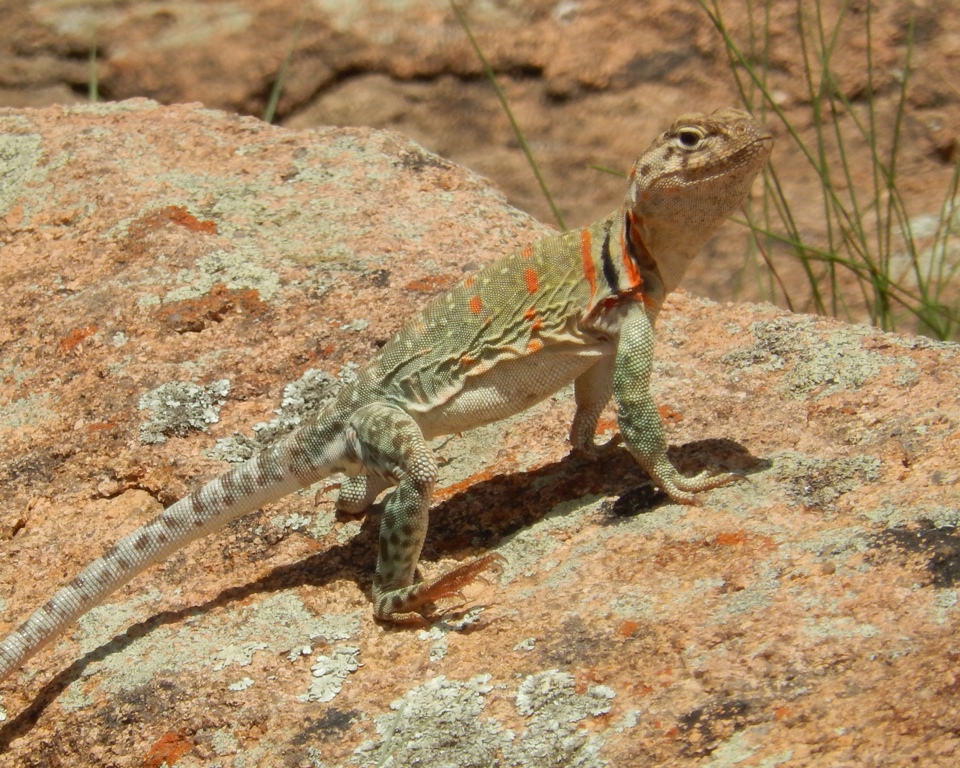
(805, 616)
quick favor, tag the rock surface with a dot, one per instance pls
(181, 256)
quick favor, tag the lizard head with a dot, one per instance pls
(690, 179)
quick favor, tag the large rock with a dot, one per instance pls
(167, 271)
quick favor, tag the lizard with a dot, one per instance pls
(575, 307)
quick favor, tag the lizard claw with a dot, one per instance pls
(450, 584)
(682, 489)
(446, 586)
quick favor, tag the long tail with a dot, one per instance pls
(296, 462)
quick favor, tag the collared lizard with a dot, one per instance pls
(575, 307)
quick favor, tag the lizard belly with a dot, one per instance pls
(506, 388)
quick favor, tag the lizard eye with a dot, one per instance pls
(689, 138)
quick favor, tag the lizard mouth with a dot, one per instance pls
(760, 147)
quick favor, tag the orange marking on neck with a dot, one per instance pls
(586, 254)
(527, 252)
(630, 270)
(475, 305)
(530, 280)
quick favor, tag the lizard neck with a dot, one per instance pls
(668, 247)
(636, 245)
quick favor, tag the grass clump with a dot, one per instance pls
(871, 259)
(868, 258)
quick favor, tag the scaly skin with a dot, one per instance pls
(575, 307)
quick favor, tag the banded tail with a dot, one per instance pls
(281, 469)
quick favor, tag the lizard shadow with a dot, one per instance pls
(469, 522)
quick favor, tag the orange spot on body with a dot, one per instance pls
(535, 345)
(467, 360)
(468, 282)
(527, 252)
(586, 255)
(531, 317)
(530, 280)
(475, 305)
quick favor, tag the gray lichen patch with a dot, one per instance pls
(217, 640)
(891, 515)
(440, 724)
(19, 155)
(552, 694)
(234, 269)
(178, 407)
(817, 482)
(552, 706)
(27, 411)
(814, 364)
(329, 673)
(302, 400)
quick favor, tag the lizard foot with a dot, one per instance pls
(682, 489)
(402, 606)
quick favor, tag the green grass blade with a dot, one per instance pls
(93, 87)
(501, 96)
(270, 110)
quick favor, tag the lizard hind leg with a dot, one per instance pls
(392, 448)
(357, 494)
(391, 445)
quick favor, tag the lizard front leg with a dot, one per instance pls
(591, 392)
(639, 421)
(390, 444)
